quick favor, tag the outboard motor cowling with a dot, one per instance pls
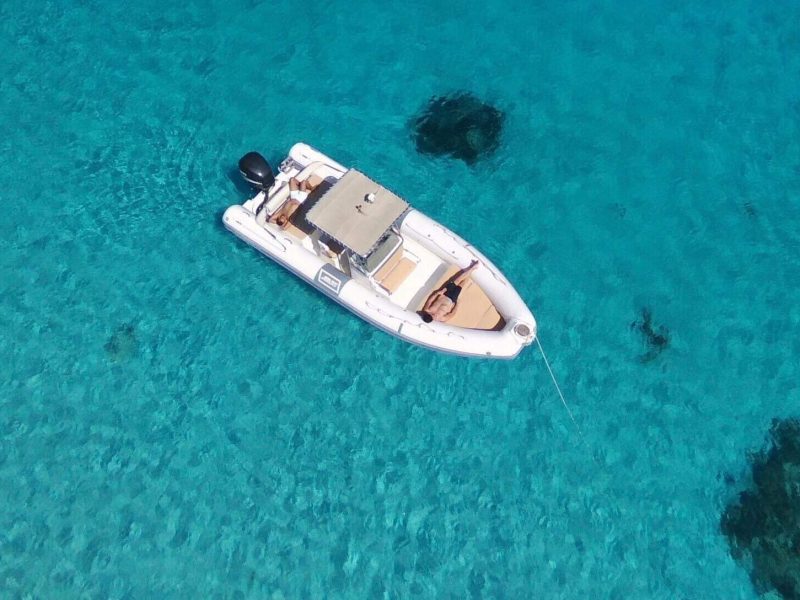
(256, 171)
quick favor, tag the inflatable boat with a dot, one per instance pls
(369, 250)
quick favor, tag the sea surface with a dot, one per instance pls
(181, 418)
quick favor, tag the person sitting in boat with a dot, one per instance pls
(441, 304)
(298, 192)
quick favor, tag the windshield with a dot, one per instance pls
(382, 252)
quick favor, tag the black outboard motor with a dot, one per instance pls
(256, 171)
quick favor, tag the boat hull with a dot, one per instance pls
(356, 295)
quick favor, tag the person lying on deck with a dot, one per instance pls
(298, 192)
(441, 304)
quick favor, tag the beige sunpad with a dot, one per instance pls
(474, 310)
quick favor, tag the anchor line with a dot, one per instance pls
(558, 388)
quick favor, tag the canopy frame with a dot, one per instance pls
(357, 212)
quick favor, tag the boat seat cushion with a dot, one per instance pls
(394, 278)
(389, 265)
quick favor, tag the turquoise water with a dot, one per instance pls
(179, 418)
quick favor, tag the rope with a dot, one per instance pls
(558, 389)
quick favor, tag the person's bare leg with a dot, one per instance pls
(314, 180)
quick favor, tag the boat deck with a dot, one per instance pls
(420, 266)
(412, 275)
(422, 273)
(474, 309)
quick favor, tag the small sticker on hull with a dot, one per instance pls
(331, 278)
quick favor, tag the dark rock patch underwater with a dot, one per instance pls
(123, 343)
(762, 524)
(460, 126)
(656, 338)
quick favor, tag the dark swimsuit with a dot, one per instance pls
(451, 290)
